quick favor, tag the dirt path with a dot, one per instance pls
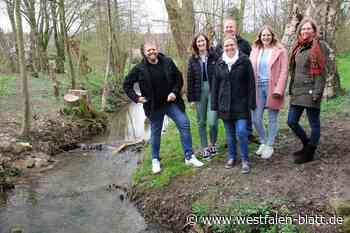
(304, 189)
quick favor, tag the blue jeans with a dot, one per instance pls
(250, 126)
(239, 128)
(313, 115)
(204, 112)
(182, 123)
(258, 117)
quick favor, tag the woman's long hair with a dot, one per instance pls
(316, 56)
(195, 49)
(258, 42)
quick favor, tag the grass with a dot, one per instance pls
(172, 158)
(343, 63)
(7, 85)
(41, 90)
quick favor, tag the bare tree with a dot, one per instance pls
(59, 38)
(10, 7)
(7, 56)
(23, 74)
(241, 15)
(108, 72)
(64, 29)
(275, 15)
(181, 18)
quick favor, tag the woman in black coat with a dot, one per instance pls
(233, 97)
(201, 67)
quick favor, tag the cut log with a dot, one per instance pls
(124, 146)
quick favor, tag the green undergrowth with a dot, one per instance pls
(343, 65)
(247, 217)
(7, 85)
(41, 91)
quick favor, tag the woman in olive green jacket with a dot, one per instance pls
(307, 69)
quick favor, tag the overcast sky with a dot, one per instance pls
(4, 21)
(155, 10)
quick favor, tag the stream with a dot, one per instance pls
(82, 193)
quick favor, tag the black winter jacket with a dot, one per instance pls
(233, 93)
(194, 75)
(242, 44)
(140, 74)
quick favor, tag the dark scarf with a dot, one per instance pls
(317, 59)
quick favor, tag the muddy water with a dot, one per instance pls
(77, 195)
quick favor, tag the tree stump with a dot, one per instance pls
(79, 101)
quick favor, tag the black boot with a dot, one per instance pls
(307, 156)
(302, 151)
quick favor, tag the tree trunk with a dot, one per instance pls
(23, 74)
(106, 88)
(59, 40)
(181, 24)
(241, 16)
(10, 6)
(34, 37)
(45, 33)
(66, 42)
(325, 14)
(100, 25)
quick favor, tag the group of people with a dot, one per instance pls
(236, 83)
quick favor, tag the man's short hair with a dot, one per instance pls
(230, 18)
(148, 40)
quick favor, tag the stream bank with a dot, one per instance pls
(86, 191)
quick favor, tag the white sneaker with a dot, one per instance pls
(155, 166)
(267, 152)
(193, 162)
(261, 149)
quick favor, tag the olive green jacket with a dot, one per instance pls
(305, 90)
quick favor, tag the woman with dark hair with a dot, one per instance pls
(270, 63)
(200, 73)
(233, 97)
(307, 69)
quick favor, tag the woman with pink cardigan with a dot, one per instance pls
(270, 63)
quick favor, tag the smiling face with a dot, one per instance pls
(230, 27)
(201, 43)
(307, 31)
(151, 52)
(230, 47)
(266, 37)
